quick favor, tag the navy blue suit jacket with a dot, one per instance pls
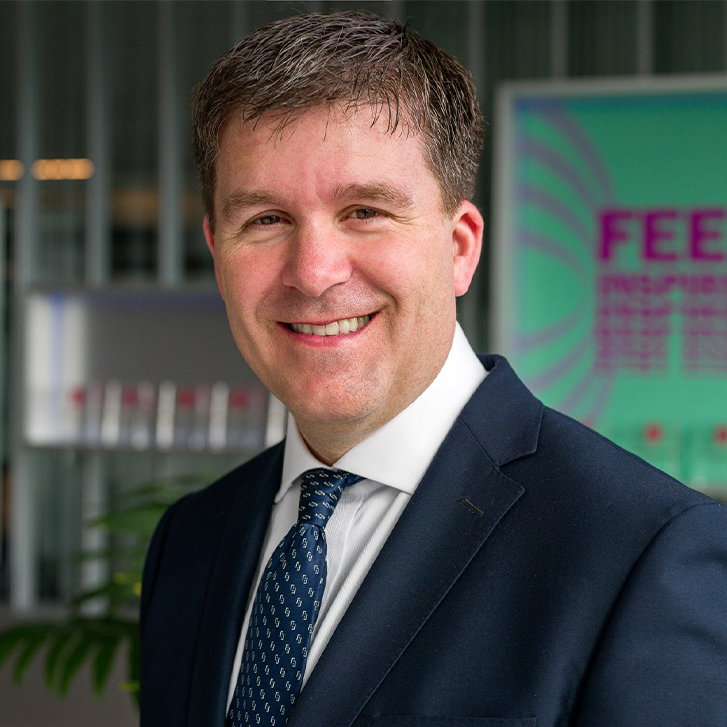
(539, 575)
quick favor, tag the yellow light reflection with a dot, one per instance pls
(10, 170)
(62, 169)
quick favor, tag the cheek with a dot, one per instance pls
(409, 262)
(246, 279)
(426, 274)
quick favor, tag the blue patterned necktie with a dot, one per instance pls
(286, 608)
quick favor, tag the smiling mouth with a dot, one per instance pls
(345, 325)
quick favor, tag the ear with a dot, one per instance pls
(467, 228)
(210, 238)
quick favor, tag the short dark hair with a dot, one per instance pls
(351, 58)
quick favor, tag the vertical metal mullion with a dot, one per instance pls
(97, 274)
(23, 515)
(69, 521)
(98, 217)
(94, 504)
(558, 38)
(470, 306)
(3, 350)
(170, 252)
(645, 38)
(28, 140)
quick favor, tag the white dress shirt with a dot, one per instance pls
(392, 460)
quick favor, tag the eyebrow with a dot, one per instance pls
(374, 192)
(240, 200)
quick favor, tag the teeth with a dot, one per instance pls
(346, 325)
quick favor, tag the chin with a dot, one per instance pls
(338, 398)
(330, 414)
(331, 410)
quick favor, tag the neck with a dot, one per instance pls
(328, 444)
(329, 441)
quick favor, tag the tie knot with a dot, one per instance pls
(320, 490)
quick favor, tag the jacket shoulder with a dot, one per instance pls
(599, 464)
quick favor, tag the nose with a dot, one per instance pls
(318, 259)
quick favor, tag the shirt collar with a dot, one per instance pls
(399, 453)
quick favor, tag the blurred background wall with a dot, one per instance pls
(108, 290)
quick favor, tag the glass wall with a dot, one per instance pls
(130, 87)
(98, 192)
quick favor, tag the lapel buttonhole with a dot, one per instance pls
(472, 508)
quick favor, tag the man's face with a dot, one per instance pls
(334, 226)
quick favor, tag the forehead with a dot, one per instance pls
(330, 128)
(318, 147)
(280, 124)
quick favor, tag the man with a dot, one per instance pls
(480, 559)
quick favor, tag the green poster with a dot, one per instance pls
(611, 261)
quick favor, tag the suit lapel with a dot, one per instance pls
(243, 532)
(458, 503)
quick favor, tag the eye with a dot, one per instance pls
(364, 213)
(268, 220)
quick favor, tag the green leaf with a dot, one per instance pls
(103, 662)
(74, 662)
(140, 520)
(162, 493)
(54, 654)
(134, 660)
(34, 639)
(9, 640)
(134, 553)
(104, 590)
(124, 588)
(134, 516)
